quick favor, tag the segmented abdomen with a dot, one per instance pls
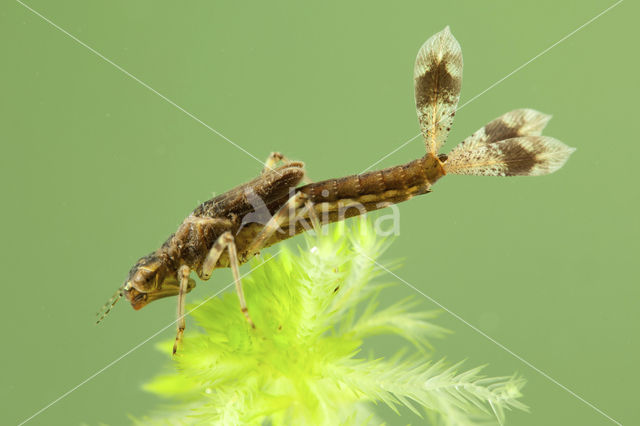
(377, 189)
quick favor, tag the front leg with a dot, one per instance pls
(226, 241)
(183, 276)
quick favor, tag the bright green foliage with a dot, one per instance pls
(302, 364)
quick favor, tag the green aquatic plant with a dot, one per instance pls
(303, 364)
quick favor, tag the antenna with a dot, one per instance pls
(106, 308)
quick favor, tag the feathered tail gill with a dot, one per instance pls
(510, 145)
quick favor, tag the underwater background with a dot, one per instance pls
(97, 170)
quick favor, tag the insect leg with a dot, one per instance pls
(214, 254)
(313, 215)
(272, 160)
(235, 270)
(276, 157)
(270, 228)
(183, 276)
(226, 241)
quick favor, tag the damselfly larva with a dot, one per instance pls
(229, 229)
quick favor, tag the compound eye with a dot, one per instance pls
(143, 277)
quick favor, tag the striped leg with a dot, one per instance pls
(313, 215)
(273, 225)
(183, 276)
(276, 157)
(272, 160)
(226, 241)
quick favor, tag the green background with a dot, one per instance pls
(97, 171)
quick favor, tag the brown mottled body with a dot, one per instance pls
(394, 184)
(229, 229)
(337, 199)
(225, 212)
(333, 200)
